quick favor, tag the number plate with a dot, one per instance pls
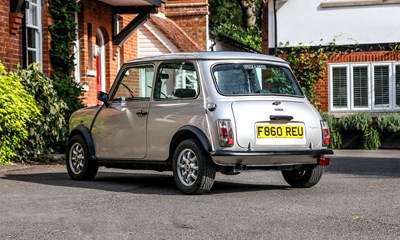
(279, 131)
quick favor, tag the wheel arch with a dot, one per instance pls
(84, 131)
(189, 132)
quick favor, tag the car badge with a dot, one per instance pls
(276, 103)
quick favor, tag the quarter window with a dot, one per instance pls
(364, 86)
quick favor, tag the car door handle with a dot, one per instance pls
(141, 113)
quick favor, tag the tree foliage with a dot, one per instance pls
(237, 19)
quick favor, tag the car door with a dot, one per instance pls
(120, 127)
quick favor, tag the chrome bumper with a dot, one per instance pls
(270, 158)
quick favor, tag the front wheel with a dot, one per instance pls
(304, 177)
(80, 165)
(193, 169)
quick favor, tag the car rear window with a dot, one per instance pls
(253, 79)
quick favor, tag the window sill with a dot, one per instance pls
(357, 3)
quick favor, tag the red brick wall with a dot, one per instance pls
(46, 38)
(322, 85)
(191, 16)
(10, 36)
(99, 15)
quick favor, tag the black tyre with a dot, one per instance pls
(194, 171)
(304, 177)
(80, 165)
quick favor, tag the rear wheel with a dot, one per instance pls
(304, 177)
(80, 165)
(194, 171)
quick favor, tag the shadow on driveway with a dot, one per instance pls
(136, 183)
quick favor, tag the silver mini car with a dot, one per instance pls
(201, 113)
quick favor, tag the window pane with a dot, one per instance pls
(176, 81)
(360, 89)
(31, 38)
(135, 84)
(32, 15)
(31, 57)
(339, 87)
(381, 82)
(398, 85)
(254, 79)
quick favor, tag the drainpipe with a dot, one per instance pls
(275, 29)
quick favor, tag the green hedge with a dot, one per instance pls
(371, 128)
(31, 116)
(18, 111)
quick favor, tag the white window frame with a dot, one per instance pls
(38, 31)
(351, 67)
(371, 86)
(391, 92)
(394, 84)
(331, 66)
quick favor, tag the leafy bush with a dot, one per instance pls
(357, 121)
(371, 139)
(389, 122)
(336, 139)
(18, 111)
(50, 131)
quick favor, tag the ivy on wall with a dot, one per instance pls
(63, 35)
(308, 65)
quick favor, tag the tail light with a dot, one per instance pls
(225, 133)
(323, 161)
(326, 137)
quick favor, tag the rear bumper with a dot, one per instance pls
(267, 158)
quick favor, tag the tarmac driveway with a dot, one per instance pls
(357, 198)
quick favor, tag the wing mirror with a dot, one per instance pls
(103, 97)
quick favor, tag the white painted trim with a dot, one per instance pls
(39, 28)
(100, 36)
(331, 108)
(161, 37)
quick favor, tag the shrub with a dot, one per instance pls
(371, 139)
(357, 121)
(362, 122)
(18, 111)
(389, 122)
(50, 131)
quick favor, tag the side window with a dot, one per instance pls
(135, 84)
(176, 80)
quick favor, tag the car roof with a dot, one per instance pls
(218, 55)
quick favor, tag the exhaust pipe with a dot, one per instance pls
(239, 168)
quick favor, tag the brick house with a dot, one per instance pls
(110, 32)
(367, 76)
